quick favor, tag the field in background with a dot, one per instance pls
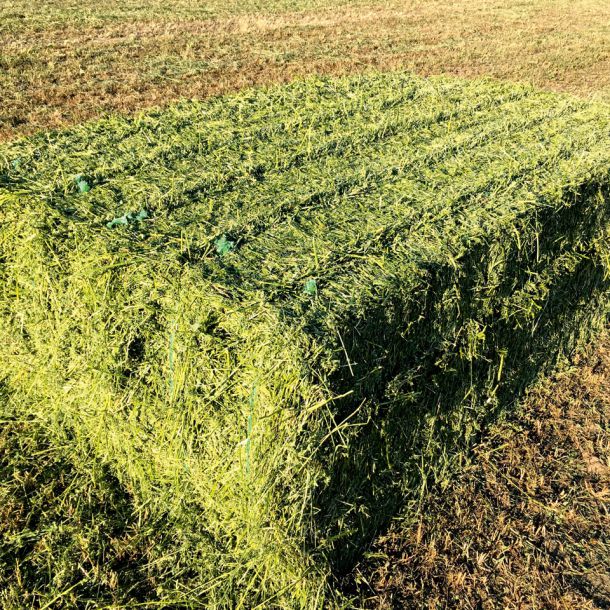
(72, 61)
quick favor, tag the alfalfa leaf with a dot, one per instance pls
(224, 245)
(310, 288)
(82, 184)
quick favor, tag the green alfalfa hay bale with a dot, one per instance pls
(444, 223)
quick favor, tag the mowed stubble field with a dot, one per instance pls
(63, 62)
(539, 538)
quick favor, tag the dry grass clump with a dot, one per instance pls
(277, 316)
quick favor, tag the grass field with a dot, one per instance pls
(169, 280)
(68, 63)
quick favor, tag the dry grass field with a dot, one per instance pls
(70, 62)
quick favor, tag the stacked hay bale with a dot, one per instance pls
(278, 315)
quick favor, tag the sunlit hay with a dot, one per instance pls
(279, 316)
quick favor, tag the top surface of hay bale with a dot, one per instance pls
(324, 180)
